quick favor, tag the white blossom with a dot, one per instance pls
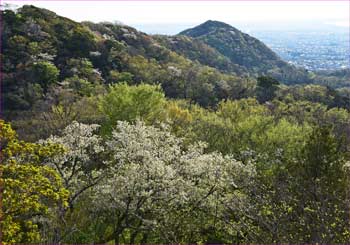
(153, 175)
(79, 166)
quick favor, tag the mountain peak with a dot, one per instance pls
(207, 27)
(215, 23)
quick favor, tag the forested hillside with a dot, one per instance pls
(111, 135)
(246, 51)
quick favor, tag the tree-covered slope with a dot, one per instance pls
(43, 53)
(197, 50)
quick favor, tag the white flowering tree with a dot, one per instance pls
(81, 167)
(81, 163)
(142, 184)
(157, 187)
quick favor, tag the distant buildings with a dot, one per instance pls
(311, 50)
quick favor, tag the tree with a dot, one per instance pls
(157, 190)
(116, 77)
(79, 42)
(321, 188)
(80, 167)
(84, 69)
(129, 103)
(31, 190)
(266, 88)
(45, 73)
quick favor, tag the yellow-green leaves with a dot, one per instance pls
(30, 188)
(129, 103)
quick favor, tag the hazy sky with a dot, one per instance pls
(162, 17)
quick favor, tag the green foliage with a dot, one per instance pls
(128, 103)
(80, 41)
(321, 188)
(117, 77)
(266, 89)
(45, 73)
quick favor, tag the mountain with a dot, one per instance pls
(44, 54)
(245, 51)
(239, 47)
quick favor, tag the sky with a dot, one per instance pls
(170, 17)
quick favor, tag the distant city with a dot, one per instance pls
(312, 50)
